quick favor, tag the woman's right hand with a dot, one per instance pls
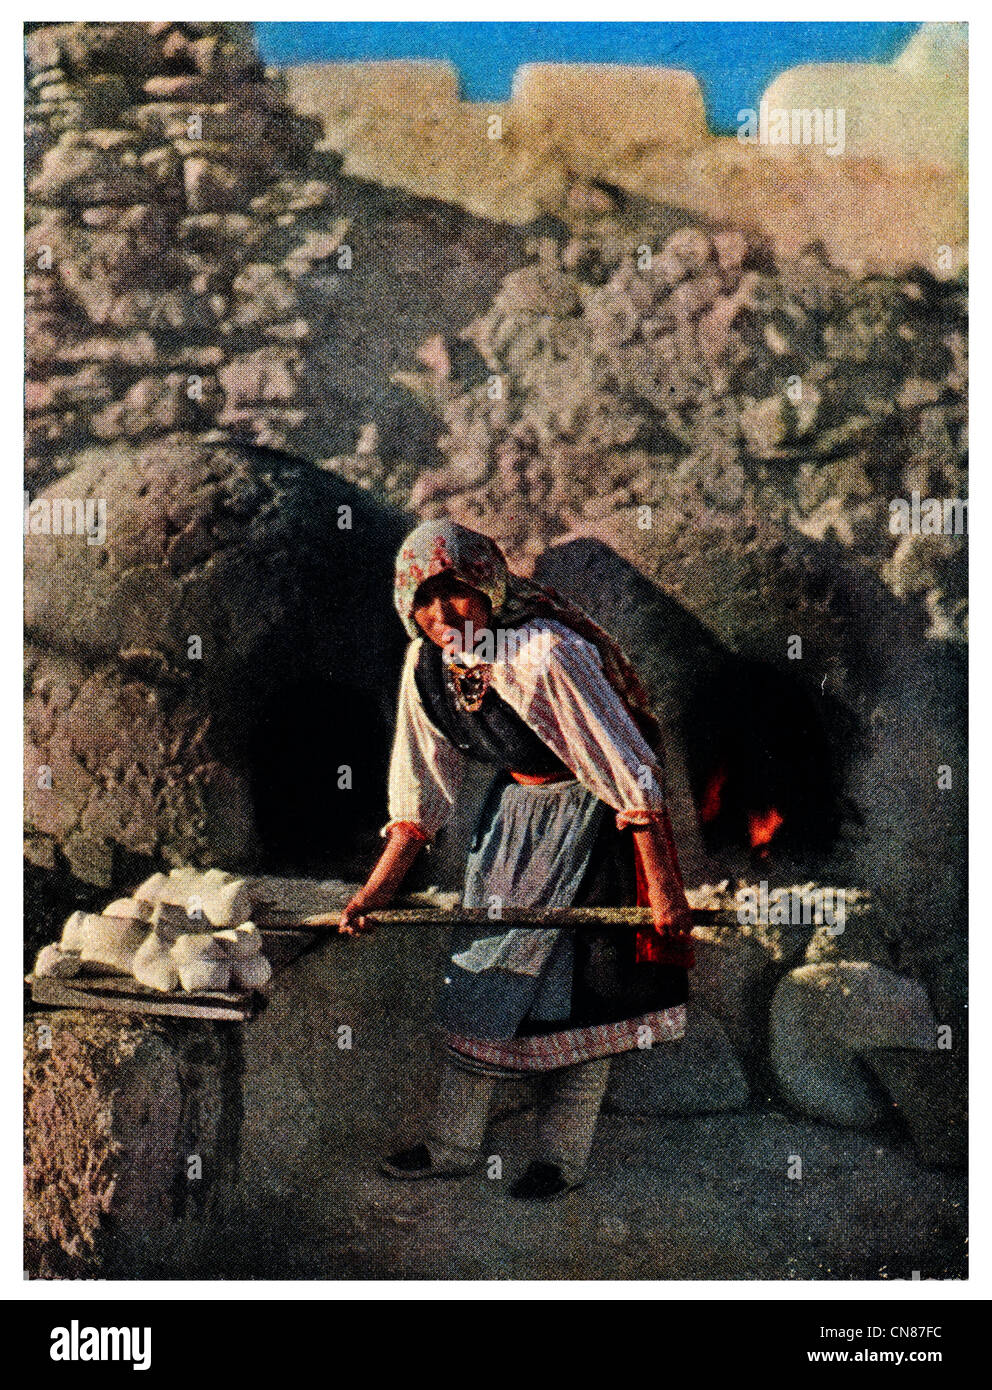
(401, 850)
(353, 919)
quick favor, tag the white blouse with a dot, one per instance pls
(555, 681)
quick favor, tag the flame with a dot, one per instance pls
(762, 825)
(713, 796)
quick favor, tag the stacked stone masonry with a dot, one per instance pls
(152, 303)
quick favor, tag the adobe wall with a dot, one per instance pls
(888, 201)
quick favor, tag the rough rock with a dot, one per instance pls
(636, 383)
(823, 1020)
(695, 1076)
(117, 1110)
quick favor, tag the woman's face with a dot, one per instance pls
(443, 606)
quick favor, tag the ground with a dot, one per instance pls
(700, 1197)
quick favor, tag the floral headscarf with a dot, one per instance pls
(438, 547)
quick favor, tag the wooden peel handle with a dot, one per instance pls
(529, 917)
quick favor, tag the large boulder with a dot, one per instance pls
(177, 662)
(825, 1018)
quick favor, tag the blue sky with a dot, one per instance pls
(733, 62)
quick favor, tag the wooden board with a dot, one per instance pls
(126, 995)
(121, 993)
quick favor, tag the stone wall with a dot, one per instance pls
(153, 304)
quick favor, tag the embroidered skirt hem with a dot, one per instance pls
(546, 1051)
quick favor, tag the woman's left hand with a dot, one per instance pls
(666, 895)
(401, 850)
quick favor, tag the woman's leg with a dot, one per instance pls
(458, 1126)
(567, 1116)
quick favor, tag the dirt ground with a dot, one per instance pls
(706, 1197)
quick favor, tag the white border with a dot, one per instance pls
(12, 1284)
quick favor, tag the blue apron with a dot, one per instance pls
(531, 848)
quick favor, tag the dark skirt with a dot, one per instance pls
(591, 998)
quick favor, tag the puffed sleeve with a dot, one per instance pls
(560, 688)
(425, 768)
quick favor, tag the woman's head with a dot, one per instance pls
(466, 566)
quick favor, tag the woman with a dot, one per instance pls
(575, 815)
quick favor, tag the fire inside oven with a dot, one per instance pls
(761, 766)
